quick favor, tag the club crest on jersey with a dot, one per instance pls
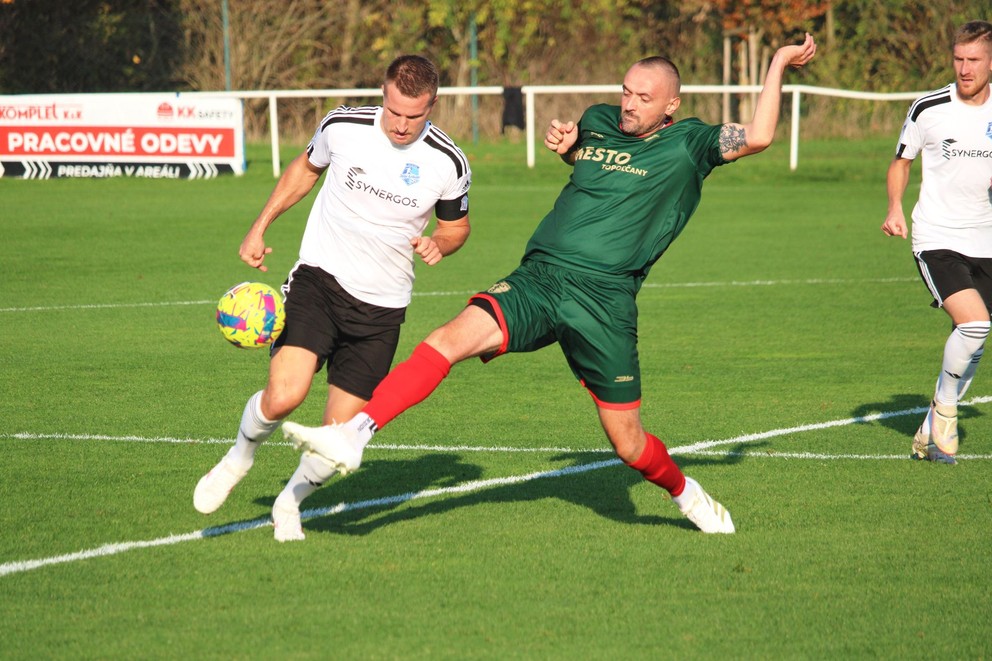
(411, 174)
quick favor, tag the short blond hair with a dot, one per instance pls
(413, 75)
(974, 31)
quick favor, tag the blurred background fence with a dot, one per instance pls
(870, 47)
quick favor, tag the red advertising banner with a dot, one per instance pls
(120, 135)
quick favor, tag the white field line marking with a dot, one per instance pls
(697, 448)
(104, 306)
(28, 436)
(772, 454)
(660, 285)
(114, 549)
(683, 449)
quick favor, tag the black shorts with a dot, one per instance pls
(357, 340)
(946, 272)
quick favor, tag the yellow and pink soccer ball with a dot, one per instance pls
(251, 315)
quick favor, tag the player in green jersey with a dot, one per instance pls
(636, 180)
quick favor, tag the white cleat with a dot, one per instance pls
(941, 444)
(708, 515)
(287, 524)
(212, 489)
(920, 443)
(943, 434)
(332, 443)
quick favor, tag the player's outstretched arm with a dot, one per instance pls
(896, 181)
(294, 184)
(738, 140)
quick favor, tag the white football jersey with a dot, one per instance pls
(375, 198)
(954, 211)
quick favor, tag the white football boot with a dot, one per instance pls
(943, 434)
(334, 444)
(708, 515)
(941, 444)
(212, 489)
(286, 521)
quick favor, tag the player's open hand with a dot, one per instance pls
(797, 55)
(253, 251)
(427, 248)
(561, 136)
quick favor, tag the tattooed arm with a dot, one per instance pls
(737, 140)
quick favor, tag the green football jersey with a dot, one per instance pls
(628, 197)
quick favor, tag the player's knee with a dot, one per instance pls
(277, 403)
(973, 334)
(465, 337)
(627, 443)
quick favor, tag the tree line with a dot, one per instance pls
(53, 46)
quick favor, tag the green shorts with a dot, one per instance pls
(593, 319)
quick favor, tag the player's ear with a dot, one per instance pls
(673, 105)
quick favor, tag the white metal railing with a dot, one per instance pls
(274, 95)
(530, 92)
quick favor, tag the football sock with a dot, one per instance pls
(309, 476)
(657, 467)
(254, 429)
(408, 384)
(963, 344)
(963, 384)
(969, 373)
(364, 428)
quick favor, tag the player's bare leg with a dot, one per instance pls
(937, 438)
(473, 332)
(290, 373)
(646, 454)
(313, 471)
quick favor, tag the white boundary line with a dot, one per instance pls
(701, 448)
(660, 285)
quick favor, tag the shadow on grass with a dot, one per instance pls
(604, 492)
(907, 423)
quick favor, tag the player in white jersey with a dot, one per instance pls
(389, 170)
(952, 222)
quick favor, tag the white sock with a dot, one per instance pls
(364, 428)
(969, 374)
(963, 344)
(254, 429)
(963, 384)
(685, 498)
(310, 475)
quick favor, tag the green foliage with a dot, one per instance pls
(902, 45)
(132, 45)
(50, 46)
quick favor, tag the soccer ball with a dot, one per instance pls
(251, 315)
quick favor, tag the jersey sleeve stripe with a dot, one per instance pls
(363, 115)
(438, 140)
(937, 98)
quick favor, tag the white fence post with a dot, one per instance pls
(274, 133)
(529, 96)
(794, 132)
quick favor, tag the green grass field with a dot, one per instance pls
(787, 351)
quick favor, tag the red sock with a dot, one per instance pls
(657, 467)
(408, 384)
